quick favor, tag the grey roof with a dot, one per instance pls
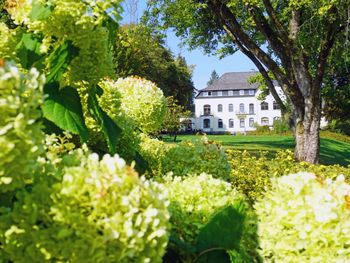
(233, 81)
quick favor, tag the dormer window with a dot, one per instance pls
(209, 93)
(230, 92)
(251, 92)
(205, 94)
(241, 92)
(219, 93)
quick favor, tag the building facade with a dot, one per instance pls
(231, 104)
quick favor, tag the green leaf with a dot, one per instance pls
(63, 108)
(59, 61)
(39, 12)
(141, 164)
(28, 50)
(112, 27)
(109, 128)
(222, 232)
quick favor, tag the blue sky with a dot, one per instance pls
(203, 64)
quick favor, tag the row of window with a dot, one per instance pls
(264, 106)
(231, 123)
(228, 93)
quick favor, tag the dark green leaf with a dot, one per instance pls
(39, 12)
(141, 164)
(109, 128)
(63, 108)
(214, 256)
(28, 50)
(59, 61)
(112, 27)
(224, 230)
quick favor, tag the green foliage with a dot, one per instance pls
(21, 138)
(213, 76)
(280, 127)
(194, 200)
(63, 108)
(173, 113)
(141, 52)
(70, 43)
(304, 218)
(98, 211)
(251, 175)
(199, 156)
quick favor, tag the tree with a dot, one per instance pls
(213, 76)
(276, 37)
(173, 113)
(142, 53)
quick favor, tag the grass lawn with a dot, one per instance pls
(332, 151)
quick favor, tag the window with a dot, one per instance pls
(276, 106)
(230, 92)
(220, 125)
(241, 107)
(205, 94)
(251, 92)
(230, 123)
(264, 121)
(206, 123)
(251, 122)
(241, 123)
(209, 93)
(230, 107)
(219, 107)
(241, 92)
(225, 93)
(251, 108)
(214, 93)
(219, 93)
(264, 105)
(206, 109)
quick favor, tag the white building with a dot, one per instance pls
(231, 104)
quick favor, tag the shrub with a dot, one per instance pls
(100, 211)
(304, 218)
(21, 138)
(193, 201)
(280, 127)
(199, 156)
(251, 174)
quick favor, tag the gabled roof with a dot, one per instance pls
(233, 81)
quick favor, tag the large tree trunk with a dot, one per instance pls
(307, 131)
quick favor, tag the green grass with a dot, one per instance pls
(332, 151)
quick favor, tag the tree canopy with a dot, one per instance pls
(213, 76)
(142, 53)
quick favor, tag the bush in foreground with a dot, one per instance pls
(304, 218)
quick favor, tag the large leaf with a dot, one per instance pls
(63, 108)
(59, 61)
(109, 128)
(141, 164)
(40, 12)
(28, 50)
(222, 232)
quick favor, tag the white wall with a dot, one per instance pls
(225, 115)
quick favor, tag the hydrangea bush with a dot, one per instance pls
(81, 23)
(193, 201)
(100, 211)
(21, 138)
(304, 218)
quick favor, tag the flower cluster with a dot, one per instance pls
(21, 138)
(99, 211)
(79, 22)
(193, 200)
(305, 219)
(142, 101)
